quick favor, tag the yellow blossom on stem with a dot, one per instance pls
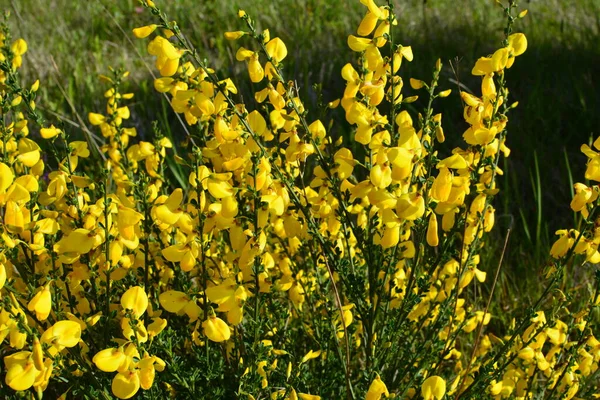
(125, 384)
(377, 389)
(135, 300)
(20, 370)
(234, 35)
(276, 49)
(49, 133)
(144, 31)
(41, 303)
(62, 334)
(109, 360)
(434, 388)
(216, 329)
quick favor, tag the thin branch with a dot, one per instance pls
(487, 306)
(338, 301)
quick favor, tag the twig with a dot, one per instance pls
(487, 306)
(341, 310)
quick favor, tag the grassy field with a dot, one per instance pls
(555, 81)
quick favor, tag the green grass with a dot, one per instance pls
(555, 81)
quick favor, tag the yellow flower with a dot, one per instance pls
(19, 47)
(499, 59)
(442, 185)
(218, 185)
(144, 31)
(179, 303)
(131, 329)
(109, 360)
(126, 384)
(234, 35)
(62, 334)
(173, 301)
(167, 55)
(367, 25)
(77, 149)
(6, 177)
(558, 334)
(391, 236)
(276, 50)
(410, 206)
(255, 69)
(345, 163)
(96, 119)
(29, 152)
(20, 371)
(185, 254)
(147, 371)
(216, 329)
(373, 8)
(49, 133)
(169, 212)
(381, 176)
(416, 84)
(157, 326)
(347, 317)
(432, 231)
(359, 44)
(230, 297)
(41, 303)
(2, 275)
(434, 388)
(38, 354)
(14, 217)
(377, 389)
(592, 171)
(127, 221)
(562, 245)
(455, 161)
(306, 396)
(526, 353)
(79, 241)
(136, 300)
(517, 42)
(310, 355)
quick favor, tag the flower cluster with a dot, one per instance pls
(289, 261)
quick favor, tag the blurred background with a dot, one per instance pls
(555, 82)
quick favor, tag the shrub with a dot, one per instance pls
(292, 263)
